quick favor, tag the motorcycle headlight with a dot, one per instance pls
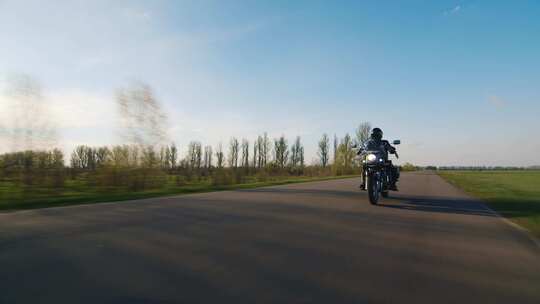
(371, 158)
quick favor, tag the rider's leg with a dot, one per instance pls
(362, 185)
(394, 178)
(390, 176)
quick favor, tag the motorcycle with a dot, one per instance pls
(375, 173)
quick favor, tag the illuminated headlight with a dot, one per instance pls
(371, 157)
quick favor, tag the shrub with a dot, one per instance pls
(223, 177)
(408, 167)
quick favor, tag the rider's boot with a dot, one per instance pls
(393, 187)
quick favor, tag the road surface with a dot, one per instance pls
(319, 242)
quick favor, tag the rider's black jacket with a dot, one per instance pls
(380, 145)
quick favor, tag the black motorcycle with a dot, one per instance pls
(376, 173)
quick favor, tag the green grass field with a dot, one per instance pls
(75, 193)
(514, 194)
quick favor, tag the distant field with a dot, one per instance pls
(514, 194)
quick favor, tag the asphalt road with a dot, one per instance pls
(319, 242)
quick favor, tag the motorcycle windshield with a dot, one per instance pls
(374, 146)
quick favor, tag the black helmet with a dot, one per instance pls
(376, 134)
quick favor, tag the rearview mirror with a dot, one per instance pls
(397, 142)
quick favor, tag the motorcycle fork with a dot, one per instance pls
(366, 177)
(369, 175)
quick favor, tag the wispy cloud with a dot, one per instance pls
(454, 10)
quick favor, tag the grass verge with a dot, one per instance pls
(514, 194)
(66, 199)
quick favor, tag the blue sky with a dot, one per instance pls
(457, 81)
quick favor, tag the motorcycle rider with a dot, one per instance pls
(376, 142)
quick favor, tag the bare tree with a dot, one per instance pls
(296, 151)
(302, 159)
(84, 157)
(173, 159)
(255, 154)
(134, 156)
(164, 157)
(348, 152)
(91, 157)
(120, 156)
(281, 152)
(245, 153)
(265, 148)
(190, 157)
(79, 157)
(324, 150)
(25, 120)
(143, 121)
(297, 156)
(208, 157)
(335, 148)
(260, 158)
(345, 156)
(198, 156)
(149, 157)
(102, 156)
(234, 147)
(194, 155)
(220, 156)
(57, 159)
(362, 133)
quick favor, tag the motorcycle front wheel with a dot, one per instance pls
(373, 190)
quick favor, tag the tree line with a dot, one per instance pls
(144, 161)
(142, 167)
